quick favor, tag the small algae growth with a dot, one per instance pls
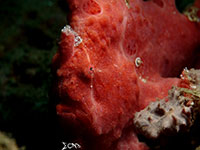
(127, 3)
(192, 13)
(68, 30)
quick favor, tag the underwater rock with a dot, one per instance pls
(177, 114)
(7, 143)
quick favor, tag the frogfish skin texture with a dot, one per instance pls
(114, 59)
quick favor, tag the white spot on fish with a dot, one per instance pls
(98, 70)
(68, 30)
(142, 79)
(138, 62)
(115, 65)
(77, 41)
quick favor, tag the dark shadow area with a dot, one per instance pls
(182, 4)
(29, 32)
